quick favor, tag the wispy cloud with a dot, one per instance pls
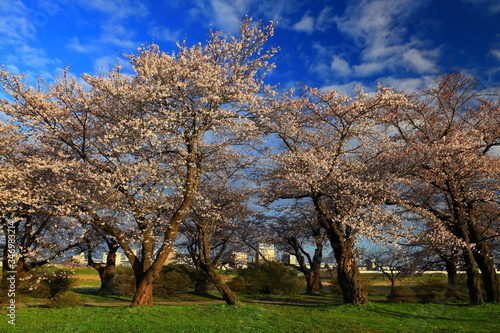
(490, 7)
(495, 53)
(227, 14)
(164, 34)
(378, 29)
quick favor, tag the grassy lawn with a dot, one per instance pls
(192, 312)
(374, 317)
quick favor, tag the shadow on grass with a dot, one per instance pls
(300, 301)
(411, 314)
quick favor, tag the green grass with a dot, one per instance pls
(192, 312)
(373, 317)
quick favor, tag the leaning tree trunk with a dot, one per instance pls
(227, 294)
(489, 276)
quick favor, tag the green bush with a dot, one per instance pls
(125, 280)
(65, 300)
(47, 283)
(175, 278)
(267, 278)
(433, 290)
(402, 294)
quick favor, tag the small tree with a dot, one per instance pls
(394, 263)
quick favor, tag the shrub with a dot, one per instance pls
(47, 283)
(267, 278)
(402, 294)
(175, 278)
(439, 291)
(125, 280)
(64, 300)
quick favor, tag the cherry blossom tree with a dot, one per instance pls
(35, 234)
(329, 143)
(133, 146)
(443, 148)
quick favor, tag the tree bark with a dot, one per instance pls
(107, 270)
(144, 290)
(349, 278)
(348, 274)
(227, 294)
(312, 275)
(485, 263)
(451, 269)
(489, 276)
(313, 282)
(473, 278)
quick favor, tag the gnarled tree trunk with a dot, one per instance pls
(342, 244)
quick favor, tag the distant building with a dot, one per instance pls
(370, 264)
(239, 260)
(289, 259)
(79, 260)
(266, 252)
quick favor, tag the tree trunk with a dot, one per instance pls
(227, 294)
(348, 274)
(107, 270)
(144, 290)
(393, 285)
(312, 274)
(107, 276)
(451, 271)
(485, 262)
(313, 282)
(489, 276)
(343, 248)
(473, 279)
(202, 283)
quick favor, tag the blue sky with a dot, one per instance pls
(329, 44)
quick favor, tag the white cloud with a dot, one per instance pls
(407, 84)
(164, 34)
(378, 29)
(341, 67)
(496, 54)
(227, 14)
(306, 24)
(309, 23)
(75, 45)
(344, 89)
(418, 60)
(106, 63)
